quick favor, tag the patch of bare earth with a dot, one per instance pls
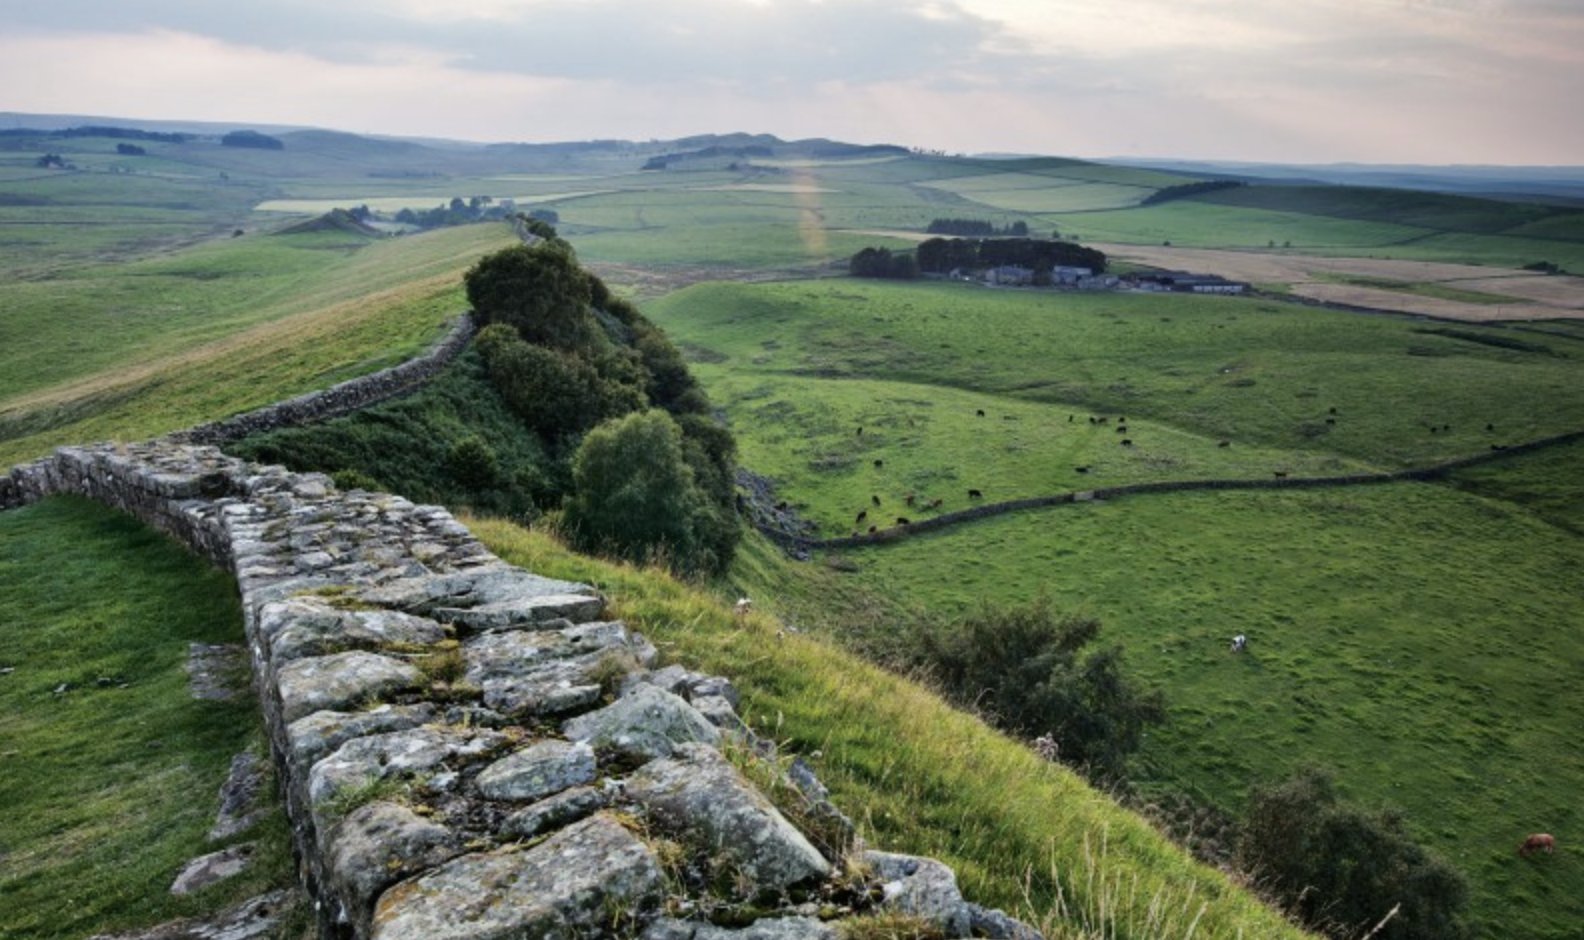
(1535, 296)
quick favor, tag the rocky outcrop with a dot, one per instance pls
(470, 750)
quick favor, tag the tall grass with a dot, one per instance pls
(918, 776)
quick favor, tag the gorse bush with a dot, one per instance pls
(1341, 869)
(1025, 668)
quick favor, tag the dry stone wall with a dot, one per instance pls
(345, 398)
(470, 750)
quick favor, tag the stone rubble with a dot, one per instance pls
(468, 750)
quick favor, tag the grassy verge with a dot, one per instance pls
(920, 777)
(110, 771)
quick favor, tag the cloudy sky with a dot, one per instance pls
(1421, 81)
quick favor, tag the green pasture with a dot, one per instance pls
(1254, 372)
(1420, 639)
(111, 771)
(1424, 643)
(932, 444)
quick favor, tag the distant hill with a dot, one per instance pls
(1564, 183)
(336, 220)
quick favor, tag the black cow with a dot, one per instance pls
(975, 494)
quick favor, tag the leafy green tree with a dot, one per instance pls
(540, 290)
(636, 496)
(1341, 870)
(1024, 668)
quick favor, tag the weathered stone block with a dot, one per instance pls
(572, 884)
(699, 793)
(646, 722)
(537, 771)
(924, 888)
(316, 735)
(376, 846)
(339, 680)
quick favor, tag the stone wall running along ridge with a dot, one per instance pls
(340, 399)
(469, 750)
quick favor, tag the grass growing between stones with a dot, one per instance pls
(920, 777)
(109, 790)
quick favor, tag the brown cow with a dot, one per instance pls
(1539, 842)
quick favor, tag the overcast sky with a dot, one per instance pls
(1410, 81)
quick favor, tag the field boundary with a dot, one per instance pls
(797, 543)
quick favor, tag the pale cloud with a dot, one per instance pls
(1301, 80)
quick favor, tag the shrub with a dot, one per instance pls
(1341, 869)
(636, 497)
(556, 394)
(1023, 667)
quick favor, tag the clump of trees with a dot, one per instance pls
(882, 262)
(130, 150)
(1341, 869)
(458, 211)
(1030, 671)
(977, 228)
(651, 471)
(941, 255)
(252, 139)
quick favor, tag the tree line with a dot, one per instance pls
(977, 228)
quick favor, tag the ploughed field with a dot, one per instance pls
(1422, 639)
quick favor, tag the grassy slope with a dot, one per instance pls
(108, 791)
(372, 309)
(1419, 639)
(918, 776)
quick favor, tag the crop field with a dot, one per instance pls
(1396, 631)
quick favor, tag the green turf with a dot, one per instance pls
(1424, 643)
(110, 771)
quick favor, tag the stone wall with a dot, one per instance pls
(470, 750)
(345, 398)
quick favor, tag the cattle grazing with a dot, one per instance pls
(1127, 442)
(975, 494)
(1446, 427)
(1069, 419)
(1332, 411)
(879, 463)
(1281, 474)
(1330, 421)
(862, 515)
(1539, 842)
(781, 506)
(979, 412)
(1434, 429)
(1224, 444)
(860, 430)
(910, 499)
(1490, 427)
(1239, 643)
(903, 520)
(875, 500)
(1081, 469)
(1091, 419)
(1102, 421)
(873, 529)
(742, 608)
(1121, 429)
(1122, 420)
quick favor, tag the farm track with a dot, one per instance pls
(800, 544)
